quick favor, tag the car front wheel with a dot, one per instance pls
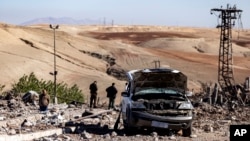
(187, 132)
(129, 129)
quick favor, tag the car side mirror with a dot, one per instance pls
(125, 94)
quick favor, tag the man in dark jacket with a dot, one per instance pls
(93, 94)
(111, 94)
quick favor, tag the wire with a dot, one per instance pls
(240, 25)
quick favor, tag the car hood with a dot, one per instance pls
(158, 78)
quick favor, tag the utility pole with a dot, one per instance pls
(104, 21)
(55, 71)
(225, 68)
(157, 64)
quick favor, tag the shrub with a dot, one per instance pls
(1, 87)
(64, 92)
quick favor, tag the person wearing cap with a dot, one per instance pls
(111, 94)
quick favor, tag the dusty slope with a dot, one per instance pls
(192, 50)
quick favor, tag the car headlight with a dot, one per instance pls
(138, 105)
(186, 105)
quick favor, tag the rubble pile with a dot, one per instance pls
(12, 107)
(204, 109)
(211, 118)
(69, 122)
(17, 117)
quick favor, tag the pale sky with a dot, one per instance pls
(195, 13)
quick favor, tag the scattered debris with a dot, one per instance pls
(66, 122)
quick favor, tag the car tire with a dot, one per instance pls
(128, 129)
(187, 132)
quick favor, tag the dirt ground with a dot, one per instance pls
(86, 53)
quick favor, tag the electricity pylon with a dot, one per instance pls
(225, 68)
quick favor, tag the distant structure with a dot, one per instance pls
(225, 71)
(104, 21)
(157, 63)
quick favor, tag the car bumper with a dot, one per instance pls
(142, 119)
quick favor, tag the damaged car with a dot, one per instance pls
(156, 98)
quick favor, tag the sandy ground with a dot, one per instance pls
(194, 51)
(81, 53)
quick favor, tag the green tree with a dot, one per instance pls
(65, 93)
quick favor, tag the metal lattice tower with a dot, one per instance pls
(225, 70)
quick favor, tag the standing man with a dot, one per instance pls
(44, 99)
(93, 94)
(111, 94)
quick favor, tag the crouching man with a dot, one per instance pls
(30, 97)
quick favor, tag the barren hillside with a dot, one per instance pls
(83, 53)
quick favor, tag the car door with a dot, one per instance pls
(126, 99)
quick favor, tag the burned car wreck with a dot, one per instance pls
(156, 98)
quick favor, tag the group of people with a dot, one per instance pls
(44, 98)
(111, 94)
(33, 96)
